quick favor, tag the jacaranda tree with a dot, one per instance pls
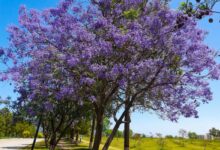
(91, 53)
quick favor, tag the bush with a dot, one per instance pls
(169, 137)
(1, 134)
(21, 128)
(26, 134)
(40, 135)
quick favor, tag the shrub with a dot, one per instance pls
(26, 134)
(169, 137)
(40, 135)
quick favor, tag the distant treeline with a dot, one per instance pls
(10, 126)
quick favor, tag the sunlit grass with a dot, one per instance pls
(145, 144)
(38, 146)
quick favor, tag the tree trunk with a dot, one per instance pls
(99, 127)
(46, 137)
(53, 142)
(77, 137)
(92, 132)
(72, 134)
(35, 136)
(114, 131)
(46, 141)
(52, 147)
(126, 129)
(118, 123)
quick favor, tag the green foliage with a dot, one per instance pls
(131, 14)
(131, 133)
(40, 135)
(192, 135)
(136, 136)
(26, 134)
(119, 134)
(6, 120)
(144, 136)
(23, 129)
(203, 7)
(106, 125)
(108, 132)
(214, 132)
(169, 136)
(10, 128)
(182, 5)
(84, 127)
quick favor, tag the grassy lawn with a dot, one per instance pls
(165, 144)
(38, 146)
(41, 146)
(144, 144)
(168, 144)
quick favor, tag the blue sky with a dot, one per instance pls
(141, 122)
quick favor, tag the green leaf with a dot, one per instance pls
(131, 14)
(183, 4)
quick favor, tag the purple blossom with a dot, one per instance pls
(73, 61)
(48, 106)
(112, 51)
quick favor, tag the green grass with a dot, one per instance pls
(168, 144)
(147, 144)
(41, 146)
(38, 146)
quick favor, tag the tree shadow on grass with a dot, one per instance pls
(12, 147)
(76, 147)
(38, 147)
(81, 148)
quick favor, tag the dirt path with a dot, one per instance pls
(65, 146)
(15, 143)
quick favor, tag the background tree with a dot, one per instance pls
(6, 122)
(106, 126)
(214, 132)
(182, 133)
(192, 135)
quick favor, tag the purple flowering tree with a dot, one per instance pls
(175, 95)
(153, 54)
(45, 100)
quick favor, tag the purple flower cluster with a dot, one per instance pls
(82, 53)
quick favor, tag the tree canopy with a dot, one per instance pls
(77, 55)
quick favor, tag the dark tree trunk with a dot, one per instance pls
(52, 147)
(118, 123)
(46, 141)
(77, 137)
(53, 142)
(126, 128)
(46, 137)
(72, 134)
(92, 132)
(35, 136)
(114, 131)
(99, 127)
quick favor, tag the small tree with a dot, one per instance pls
(214, 132)
(192, 135)
(183, 134)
